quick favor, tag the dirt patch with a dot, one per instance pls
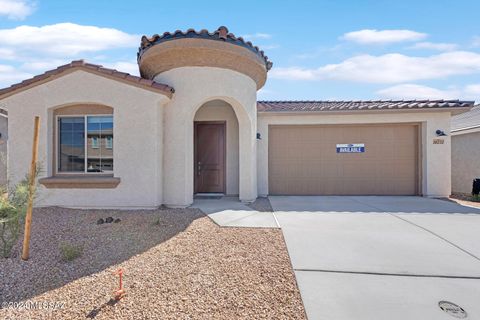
(178, 265)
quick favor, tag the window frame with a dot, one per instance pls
(109, 143)
(95, 144)
(57, 143)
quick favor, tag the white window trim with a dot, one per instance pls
(109, 143)
(95, 145)
(57, 151)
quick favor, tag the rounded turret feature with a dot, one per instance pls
(219, 49)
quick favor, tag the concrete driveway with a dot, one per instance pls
(382, 257)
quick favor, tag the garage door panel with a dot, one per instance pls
(303, 160)
(403, 186)
(329, 170)
(331, 186)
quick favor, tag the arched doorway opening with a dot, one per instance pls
(216, 149)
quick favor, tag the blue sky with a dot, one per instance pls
(321, 50)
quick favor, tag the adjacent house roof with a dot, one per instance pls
(318, 106)
(468, 120)
(221, 34)
(88, 67)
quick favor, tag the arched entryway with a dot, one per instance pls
(216, 149)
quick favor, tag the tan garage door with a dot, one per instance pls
(303, 160)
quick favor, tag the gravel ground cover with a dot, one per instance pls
(178, 265)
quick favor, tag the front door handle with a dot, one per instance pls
(199, 167)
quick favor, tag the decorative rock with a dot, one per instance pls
(117, 220)
(100, 221)
(109, 220)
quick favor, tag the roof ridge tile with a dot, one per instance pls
(341, 105)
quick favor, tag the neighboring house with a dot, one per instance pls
(3, 148)
(465, 150)
(191, 124)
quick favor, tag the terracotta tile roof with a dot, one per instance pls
(317, 106)
(221, 34)
(95, 68)
(467, 120)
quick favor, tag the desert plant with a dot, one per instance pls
(12, 214)
(10, 222)
(70, 252)
(475, 198)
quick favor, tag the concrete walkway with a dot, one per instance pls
(230, 212)
(382, 257)
(368, 258)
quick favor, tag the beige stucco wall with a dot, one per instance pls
(465, 161)
(137, 143)
(3, 150)
(435, 158)
(218, 110)
(195, 86)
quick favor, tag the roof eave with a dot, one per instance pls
(73, 67)
(466, 130)
(453, 110)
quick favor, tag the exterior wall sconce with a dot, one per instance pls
(440, 133)
(259, 136)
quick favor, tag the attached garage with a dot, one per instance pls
(313, 159)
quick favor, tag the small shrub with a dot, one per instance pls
(70, 252)
(157, 222)
(12, 213)
(10, 223)
(475, 198)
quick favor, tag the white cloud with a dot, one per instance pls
(295, 73)
(415, 91)
(257, 36)
(64, 39)
(7, 54)
(435, 46)
(388, 68)
(476, 41)
(9, 75)
(124, 66)
(264, 93)
(33, 50)
(372, 36)
(473, 90)
(43, 65)
(16, 9)
(269, 46)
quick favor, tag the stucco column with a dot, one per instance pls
(178, 158)
(436, 157)
(248, 161)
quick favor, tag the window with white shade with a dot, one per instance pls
(85, 144)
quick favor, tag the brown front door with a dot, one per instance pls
(209, 157)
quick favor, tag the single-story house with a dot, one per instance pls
(191, 125)
(3, 148)
(465, 150)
